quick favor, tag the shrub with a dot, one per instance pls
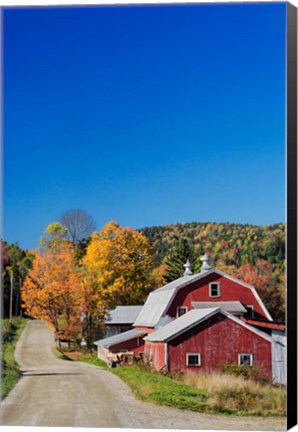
(8, 330)
(255, 373)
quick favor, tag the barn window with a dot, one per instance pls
(193, 359)
(181, 310)
(245, 359)
(250, 311)
(214, 289)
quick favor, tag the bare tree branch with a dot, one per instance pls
(79, 223)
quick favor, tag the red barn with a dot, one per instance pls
(200, 321)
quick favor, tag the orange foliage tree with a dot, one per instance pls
(270, 285)
(51, 290)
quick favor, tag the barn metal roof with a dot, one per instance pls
(192, 318)
(181, 324)
(123, 315)
(229, 306)
(153, 309)
(180, 282)
(158, 300)
(121, 337)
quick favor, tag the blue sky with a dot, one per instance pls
(143, 115)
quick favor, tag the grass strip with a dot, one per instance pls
(11, 332)
(151, 386)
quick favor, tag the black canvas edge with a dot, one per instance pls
(291, 235)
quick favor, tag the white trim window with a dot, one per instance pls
(193, 359)
(214, 289)
(181, 310)
(250, 311)
(245, 359)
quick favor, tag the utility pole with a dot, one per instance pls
(18, 295)
(19, 298)
(11, 289)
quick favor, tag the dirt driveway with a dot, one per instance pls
(54, 392)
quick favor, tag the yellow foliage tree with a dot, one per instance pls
(121, 260)
(92, 305)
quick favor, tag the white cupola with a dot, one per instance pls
(205, 263)
(187, 267)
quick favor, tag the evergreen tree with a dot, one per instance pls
(177, 257)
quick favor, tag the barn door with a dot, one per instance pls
(279, 358)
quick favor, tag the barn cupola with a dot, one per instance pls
(205, 263)
(187, 267)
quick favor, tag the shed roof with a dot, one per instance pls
(265, 324)
(229, 306)
(123, 315)
(121, 337)
(192, 318)
(181, 324)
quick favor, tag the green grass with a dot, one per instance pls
(91, 358)
(11, 331)
(151, 386)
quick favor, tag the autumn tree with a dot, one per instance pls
(92, 305)
(158, 277)
(269, 284)
(80, 225)
(121, 259)
(51, 289)
(54, 234)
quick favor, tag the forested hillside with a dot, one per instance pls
(233, 244)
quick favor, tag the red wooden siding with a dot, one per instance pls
(133, 345)
(155, 354)
(219, 340)
(229, 291)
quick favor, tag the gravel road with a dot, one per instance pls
(54, 392)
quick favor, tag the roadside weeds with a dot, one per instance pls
(10, 371)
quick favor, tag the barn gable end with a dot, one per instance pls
(213, 335)
(219, 340)
(199, 291)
